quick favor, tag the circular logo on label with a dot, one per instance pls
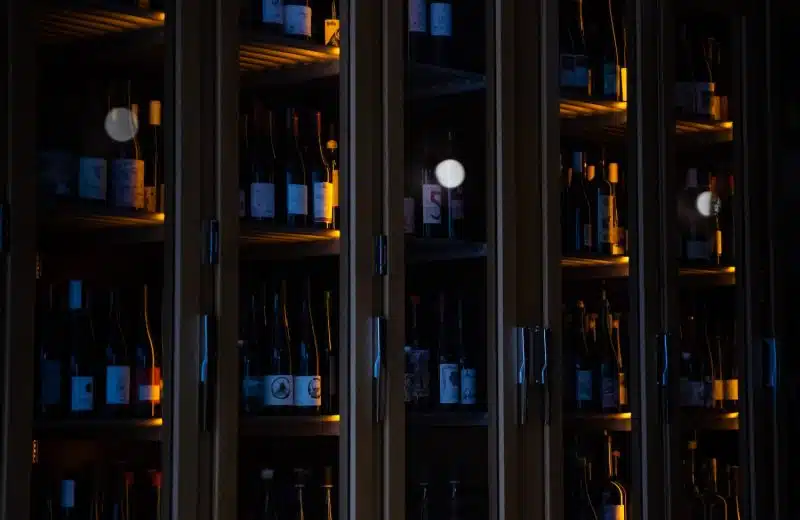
(280, 388)
(314, 388)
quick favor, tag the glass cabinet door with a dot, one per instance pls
(104, 285)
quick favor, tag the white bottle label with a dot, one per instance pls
(417, 16)
(307, 391)
(441, 19)
(408, 215)
(431, 204)
(278, 390)
(272, 11)
(297, 199)
(242, 204)
(92, 178)
(262, 200)
(251, 386)
(68, 494)
(118, 385)
(323, 202)
(82, 393)
(613, 512)
(605, 218)
(150, 393)
(128, 183)
(583, 388)
(732, 389)
(297, 20)
(449, 380)
(456, 209)
(468, 386)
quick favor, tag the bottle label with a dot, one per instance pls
(67, 494)
(408, 215)
(417, 370)
(278, 390)
(468, 386)
(610, 388)
(262, 200)
(587, 235)
(242, 204)
(127, 177)
(51, 382)
(118, 385)
(297, 20)
(692, 392)
(431, 204)
(449, 379)
(732, 389)
(323, 202)
(151, 199)
(613, 512)
(574, 72)
(441, 19)
(335, 177)
(584, 385)
(605, 218)
(272, 11)
(148, 385)
(417, 16)
(456, 209)
(718, 389)
(297, 199)
(82, 393)
(697, 249)
(307, 391)
(92, 178)
(251, 387)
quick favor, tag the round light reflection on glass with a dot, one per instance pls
(450, 173)
(121, 124)
(704, 203)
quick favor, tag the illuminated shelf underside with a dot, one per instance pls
(61, 25)
(690, 419)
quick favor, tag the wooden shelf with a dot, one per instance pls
(598, 421)
(447, 419)
(98, 429)
(690, 419)
(595, 267)
(59, 25)
(290, 426)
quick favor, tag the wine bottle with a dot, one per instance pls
(710, 373)
(469, 373)
(252, 379)
(620, 231)
(322, 181)
(307, 379)
(616, 342)
(606, 204)
(716, 229)
(449, 376)
(417, 373)
(692, 377)
(332, 32)
(127, 169)
(417, 28)
(278, 378)
(696, 247)
(327, 489)
(270, 15)
(300, 477)
(297, 19)
(147, 376)
(154, 178)
(609, 362)
(584, 366)
(579, 221)
(693, 500)
(331, 382)
(432, 221)
(51, 363)
(718, 373)
(731, 374)
(296, 188)
(262, 171)
(82, 353)
(332, 152)
(716, 507)
(68, 500)
(592, 188)
(92, 165)
(574, 69)
(156, 482)
(612, 495)
(455, 199)
(441, 31)
(733, 493)
(269, 510)
(117, 363)
(728, 224)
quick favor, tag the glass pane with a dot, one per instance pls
(446, 218)
(593, 51)
(705, 214)
(100, 209)
(289, 264)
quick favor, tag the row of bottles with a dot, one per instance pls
(114, 491)
(97, 360)
(291, 177)
(295, 19)
(596, 494)
(292, 495)
(700, 92)
(595, 341)
(433, 206)
(110, 159)
(289, 366)
(452, 369)
(710, 229)
(705, 497)
(430, 30)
